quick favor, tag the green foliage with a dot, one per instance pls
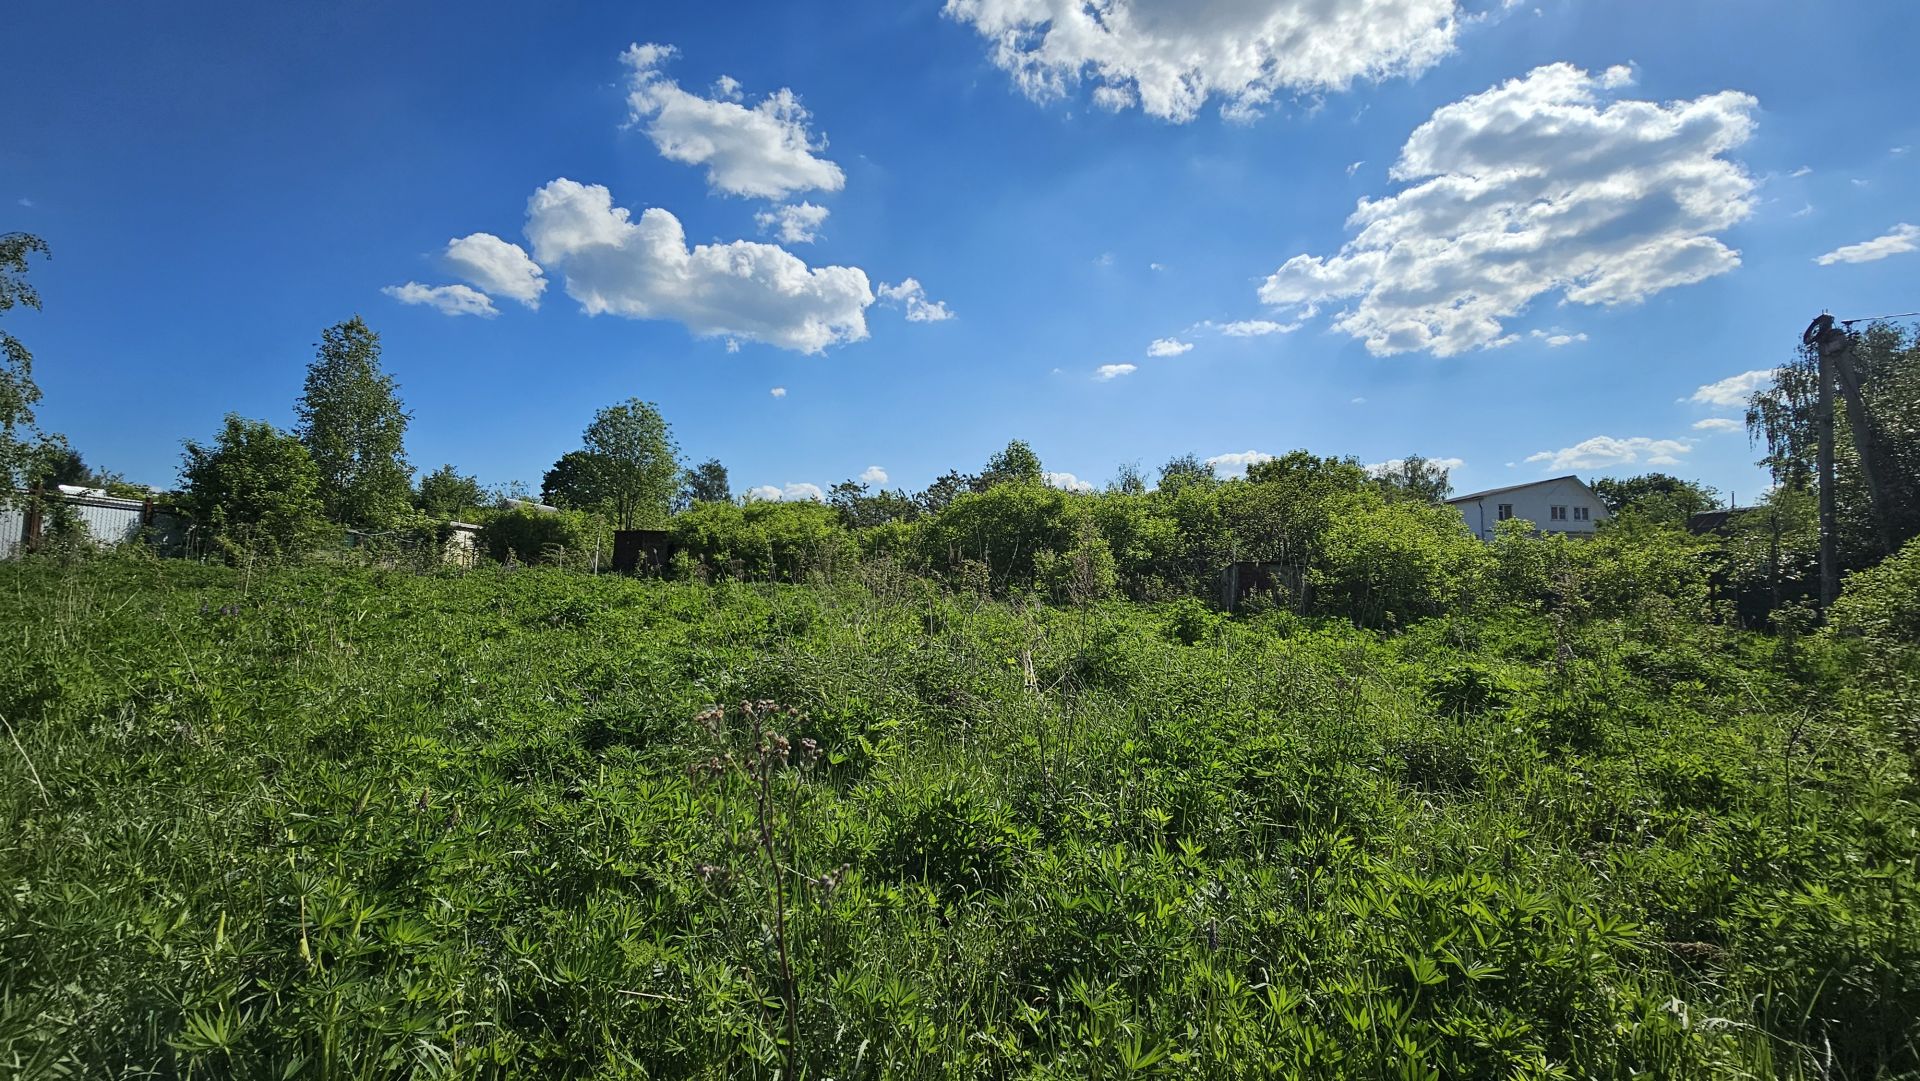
(552, 538)
(1006, 528)
(764, 540)
(335, 821)
(573, 483)
(706, 483)
(447, 493)
(1389, 564)
(1657, 497)
(1882, 604)
(1015, 464)
(355, 429)
(1886, 359)
(1414, 478)
(20, 441)
(631, 463)
(254, 492)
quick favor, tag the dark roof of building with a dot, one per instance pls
(1713, 521)
(1472, 496)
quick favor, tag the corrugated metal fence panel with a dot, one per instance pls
(13, 521)
(109, 521)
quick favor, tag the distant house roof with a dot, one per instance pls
(1714, 521)
(1476, 496)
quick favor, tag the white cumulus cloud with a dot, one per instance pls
(1604, 450)
(1235, 464)
(1716, 424)
(446, 299)
(1067, 482)
(767, 151)
(645, 270)
(1902, 239)
(790, 493)
(873, 474)
(1733, 391)
(796, 224)
(1106, 373)
(1171, 56)
(497, 266)
(778, 392)
(914, 297)
(1168, 347)
(1539, 185)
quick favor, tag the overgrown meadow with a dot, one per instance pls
(338, 822)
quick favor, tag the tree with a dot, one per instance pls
(255, 490)
(860, 508)
(1659, 497)
(706, 483)
(573, 483)
(1183, 470)
(1127, 479)
(1415, 479)
(61, 464)
(353, 426)
(940, 494)
(635, 465)
(1016, 464)
(445, 492)
(21, 446)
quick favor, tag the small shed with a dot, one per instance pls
(642, 551)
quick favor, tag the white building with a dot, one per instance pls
(1560, 505)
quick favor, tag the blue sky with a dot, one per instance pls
(1597, 213)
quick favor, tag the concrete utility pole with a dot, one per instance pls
(1815, 339)
(1834, 349)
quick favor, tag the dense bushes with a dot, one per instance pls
(560, 538)
(764, 541)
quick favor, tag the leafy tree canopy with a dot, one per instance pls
(573, 483)
(254, 490)
(1186, 469)
(1415, 478)
(633, 462)
(1659, 496)
(20, 443)
(445, 493)
(706, 483)
(354, 427)
(1015, 464)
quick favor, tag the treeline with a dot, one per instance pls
(1330, 535)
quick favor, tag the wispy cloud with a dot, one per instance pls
(1904, 238)
(445, 299)
(1106, 373)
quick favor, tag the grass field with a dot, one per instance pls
(353, 823)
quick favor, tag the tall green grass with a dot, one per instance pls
(364, 824)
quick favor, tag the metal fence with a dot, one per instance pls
(30, 517)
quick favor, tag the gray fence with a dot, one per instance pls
(105, 519)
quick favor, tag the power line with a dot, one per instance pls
(1873, 318)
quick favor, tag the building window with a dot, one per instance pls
(1559, 514)
(1506, 511)
(1582, 514)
